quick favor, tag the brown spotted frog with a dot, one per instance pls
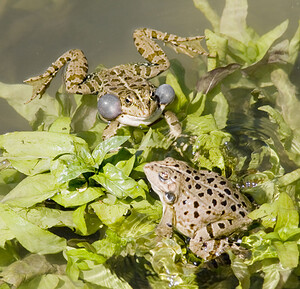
(125, 95)
(200, 204)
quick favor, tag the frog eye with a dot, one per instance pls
(170, 197)
(163, 176)
(128, 100)
(165, 93)
(109, 106)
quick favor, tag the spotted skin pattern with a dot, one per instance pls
(129, 82)
(201, 205)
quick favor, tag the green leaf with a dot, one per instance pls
(126, 166)
(69, 167)
(198, 125)
(85, 116)
(32, 190)
(111, 245)
(111, 215)
(83, 254)
(289, 178)
(104, 147)
(180, 99)
(287, 216)
(7, 255)
(77, 197)
(136, 225)
(220, 108)
(79, 220)
(61, 125)
(118, 184)
(39, 144)
(261, 247)
(267, 213)
(31, 237)
(9, 178)
(86, 223)
(240, 270)
(284, 130)
(45, 218)
(31, 167)
(288, 253)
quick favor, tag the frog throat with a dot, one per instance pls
(131, 120)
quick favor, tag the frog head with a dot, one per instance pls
(134, 102)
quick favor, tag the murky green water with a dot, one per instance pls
(34, 33)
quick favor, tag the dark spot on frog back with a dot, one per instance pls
(227, 191)
(209, 191)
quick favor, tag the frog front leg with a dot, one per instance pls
(165, 227)
(76, 78)
(173, 123)
(111, 129)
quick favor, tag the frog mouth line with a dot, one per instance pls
(138, 120)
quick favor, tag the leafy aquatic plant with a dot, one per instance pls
(76, 212)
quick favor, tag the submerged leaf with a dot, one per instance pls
(39, 111)
(101, 275)
(208, 81)
(24, 269)
(265, 41)
(233, 21)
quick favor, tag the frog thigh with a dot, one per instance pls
(209, 249)
(221, 228)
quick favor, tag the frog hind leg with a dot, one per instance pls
(210, 249)
(210, 242)
(75, 76)
(151, 51)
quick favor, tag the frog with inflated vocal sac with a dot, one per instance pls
(201, 205)
(125, 96)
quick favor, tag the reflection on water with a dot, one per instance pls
(252, 133)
